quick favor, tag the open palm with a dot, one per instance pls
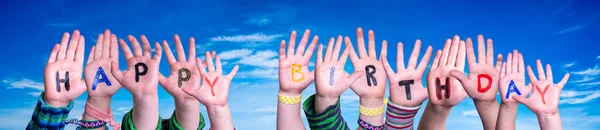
(331, 78)
(146, 82)
(416, 93)
(362, 87)
(99, 64)
(482, 83)
(65, 61)
(513, 72)
(294, 75)
(451, 58)
(546, 94)
(215, 86)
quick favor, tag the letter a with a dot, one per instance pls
(406, 84)
(489, 85)
(370, 78)
(297, 68)
(65, 81)
(181, 77)
(99, 78)
(439, 87)
(139, 72)
(512, 88)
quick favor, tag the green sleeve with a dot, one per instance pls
(172, 123)
(330, 119)
(48, 117)
(127, 123)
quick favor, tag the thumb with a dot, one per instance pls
(114, 69)
(355, 76)
(522, 100)
(162, 80)
(191, 91)
(460, 76)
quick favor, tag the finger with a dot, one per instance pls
(372, 44)
(162, 80)
(345, 54)
(336, 50)
(303, 41)
(522, 100)
(201, 66)
(282, 56)
(158, 52)
(460, 58)
(521, 64)
(192, 51)
(540, 69)
(515, 61)
(209, 62)
(114, 48)
(125, 48)
(531, 75)
(425, 60)
(233, 72)
(490, 51)
(99, 45)
(400, 57)
(436, 59)
(445, 51)
(290, 51)
(192, 91)
(453, 51)
(73, 45)
(115, 71)
(353, 56)
(218, 65)
(386, 65)
(481, 49)
(460, 76)
(179, 49)
(106, 44)
(311, 48)
(146, 44)
(503, 70)
(549, 73)
(170, 57)
(470, 52)
(355, 76)
(360, 39)
(320, 55)
(383, 49)
(509, 63)
(564, 80)
(499, 62)
(137, 49)
(91, 55)
(80, 51)
(329, 49)
(412, 62)
(63, 46)
(54, 52)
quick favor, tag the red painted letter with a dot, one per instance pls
(212, 85)
(542, 93)
(489, 85)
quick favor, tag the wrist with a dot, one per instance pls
(101, 103)
(187, 105)
(289, 93)
(485, 103)
(55, 103)
(371, 102)
(549, 121)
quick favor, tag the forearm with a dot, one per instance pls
(187, 112)
(372, 103)
(288, 115)
(220, 117)
(507, 116)
(48, 116)
(100, 103)
(550, 121)
(488, 112)
(434, 117)
(145, 112)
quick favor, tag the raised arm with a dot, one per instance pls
(141, 80)
(213, 92)
(101, 84)
(407, 92)
(512, 84)
(545, 97)
(62, 83)
(444, 90)
(482, 83)
(294, 77)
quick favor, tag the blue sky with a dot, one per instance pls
(562, 33)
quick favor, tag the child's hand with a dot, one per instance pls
(372, 84)
(294, 75)
(546, 94)
(331, 78)
(512, 81)
(100, 82)
(62, 75)
(445, 90)
(215, 86)
(410, 76)
(141, 76)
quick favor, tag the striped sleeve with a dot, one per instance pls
(400, 117)
(48, 117)
(330, 119)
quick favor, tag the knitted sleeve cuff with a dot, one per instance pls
(174, 125)
(400, 117)
(127, 123)
(46, 116)
(331, 118)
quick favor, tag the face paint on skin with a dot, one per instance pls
(542, 93)
(439, 87)
(139, 72)
(181, 77)
(65, 81)
(211, 84)
(489, 84)
(406, 84)
(331, 75)
(297, 68)
(99, 78)
(371, 80)
(512, 88)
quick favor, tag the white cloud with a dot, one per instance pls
(202, 48)
(263, 59)
(345, 99)
(234, 54)
(573, 28)
(24, 83)
(310, 64)
(260, 73)
(567, 65)
(589, 72)
(585, 79)
(265, 109)
(597, 57)
(578, 97)
(572, 93)
(471, 112)
(260, 20)
(35, 94)
(590, 83)
(252, 38)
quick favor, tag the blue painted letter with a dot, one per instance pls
(99, 78)
(512, 88)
